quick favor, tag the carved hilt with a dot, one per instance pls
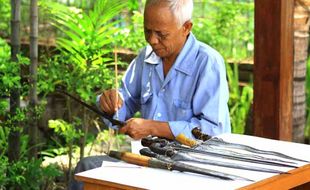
(181, 138)
(147, 141)
(199, 135)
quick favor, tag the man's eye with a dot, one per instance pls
(162, 35)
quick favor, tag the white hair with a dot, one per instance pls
(181, 9)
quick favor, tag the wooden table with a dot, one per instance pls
(127, 176)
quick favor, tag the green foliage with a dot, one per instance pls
(4, 134)
(228, 26)
(86, 47)
(28, 174)
(105, 136)
(8, 125)
(10, 71)
(5, 15)
(4, 105)
(7, 70)
(69, 132)
(4, 164)
(132, 37)
(25, 173)
(133, 5)
(53, 152)
(65, 130)
(240, 100)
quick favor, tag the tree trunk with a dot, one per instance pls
(85, 132)
(301, 38)
(14, 136)
(33, 120)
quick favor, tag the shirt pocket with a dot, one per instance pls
(182, 110)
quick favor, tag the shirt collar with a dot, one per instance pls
(184, 61)
(150, 56)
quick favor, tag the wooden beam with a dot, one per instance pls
(297, 179)
(273, 69)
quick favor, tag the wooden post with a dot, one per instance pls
(14, 136)
(33, 103)
(273, 69)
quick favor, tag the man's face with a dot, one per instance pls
(162, 31)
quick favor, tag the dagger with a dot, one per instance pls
(184, 156)
(97, 111)
(168, 164)
(215, 141)
(215, 153)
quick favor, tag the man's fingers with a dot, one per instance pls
(108, 101)
(105, 108)
(111, 102)
(113, 99)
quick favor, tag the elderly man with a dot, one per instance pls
(177, 82)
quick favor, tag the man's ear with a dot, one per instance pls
(187, 27)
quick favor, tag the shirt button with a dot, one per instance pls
(163, 90)
(159, 115)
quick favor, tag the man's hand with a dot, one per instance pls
(138, 128)
(110, 101)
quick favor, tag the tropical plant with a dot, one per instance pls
(70, 134)
(86, 43)
(86, 46)
(25, 173)
(228, 26)
(240, 100)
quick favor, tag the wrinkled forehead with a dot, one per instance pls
(159, 15)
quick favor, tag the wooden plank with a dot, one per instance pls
(95, 184)
(298, 179)
(273, 69)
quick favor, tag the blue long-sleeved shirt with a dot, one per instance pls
(194, 92)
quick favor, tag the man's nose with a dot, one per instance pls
(152, 38)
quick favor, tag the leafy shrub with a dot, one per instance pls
(86, 47)
(10, 71)
(26, 174)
